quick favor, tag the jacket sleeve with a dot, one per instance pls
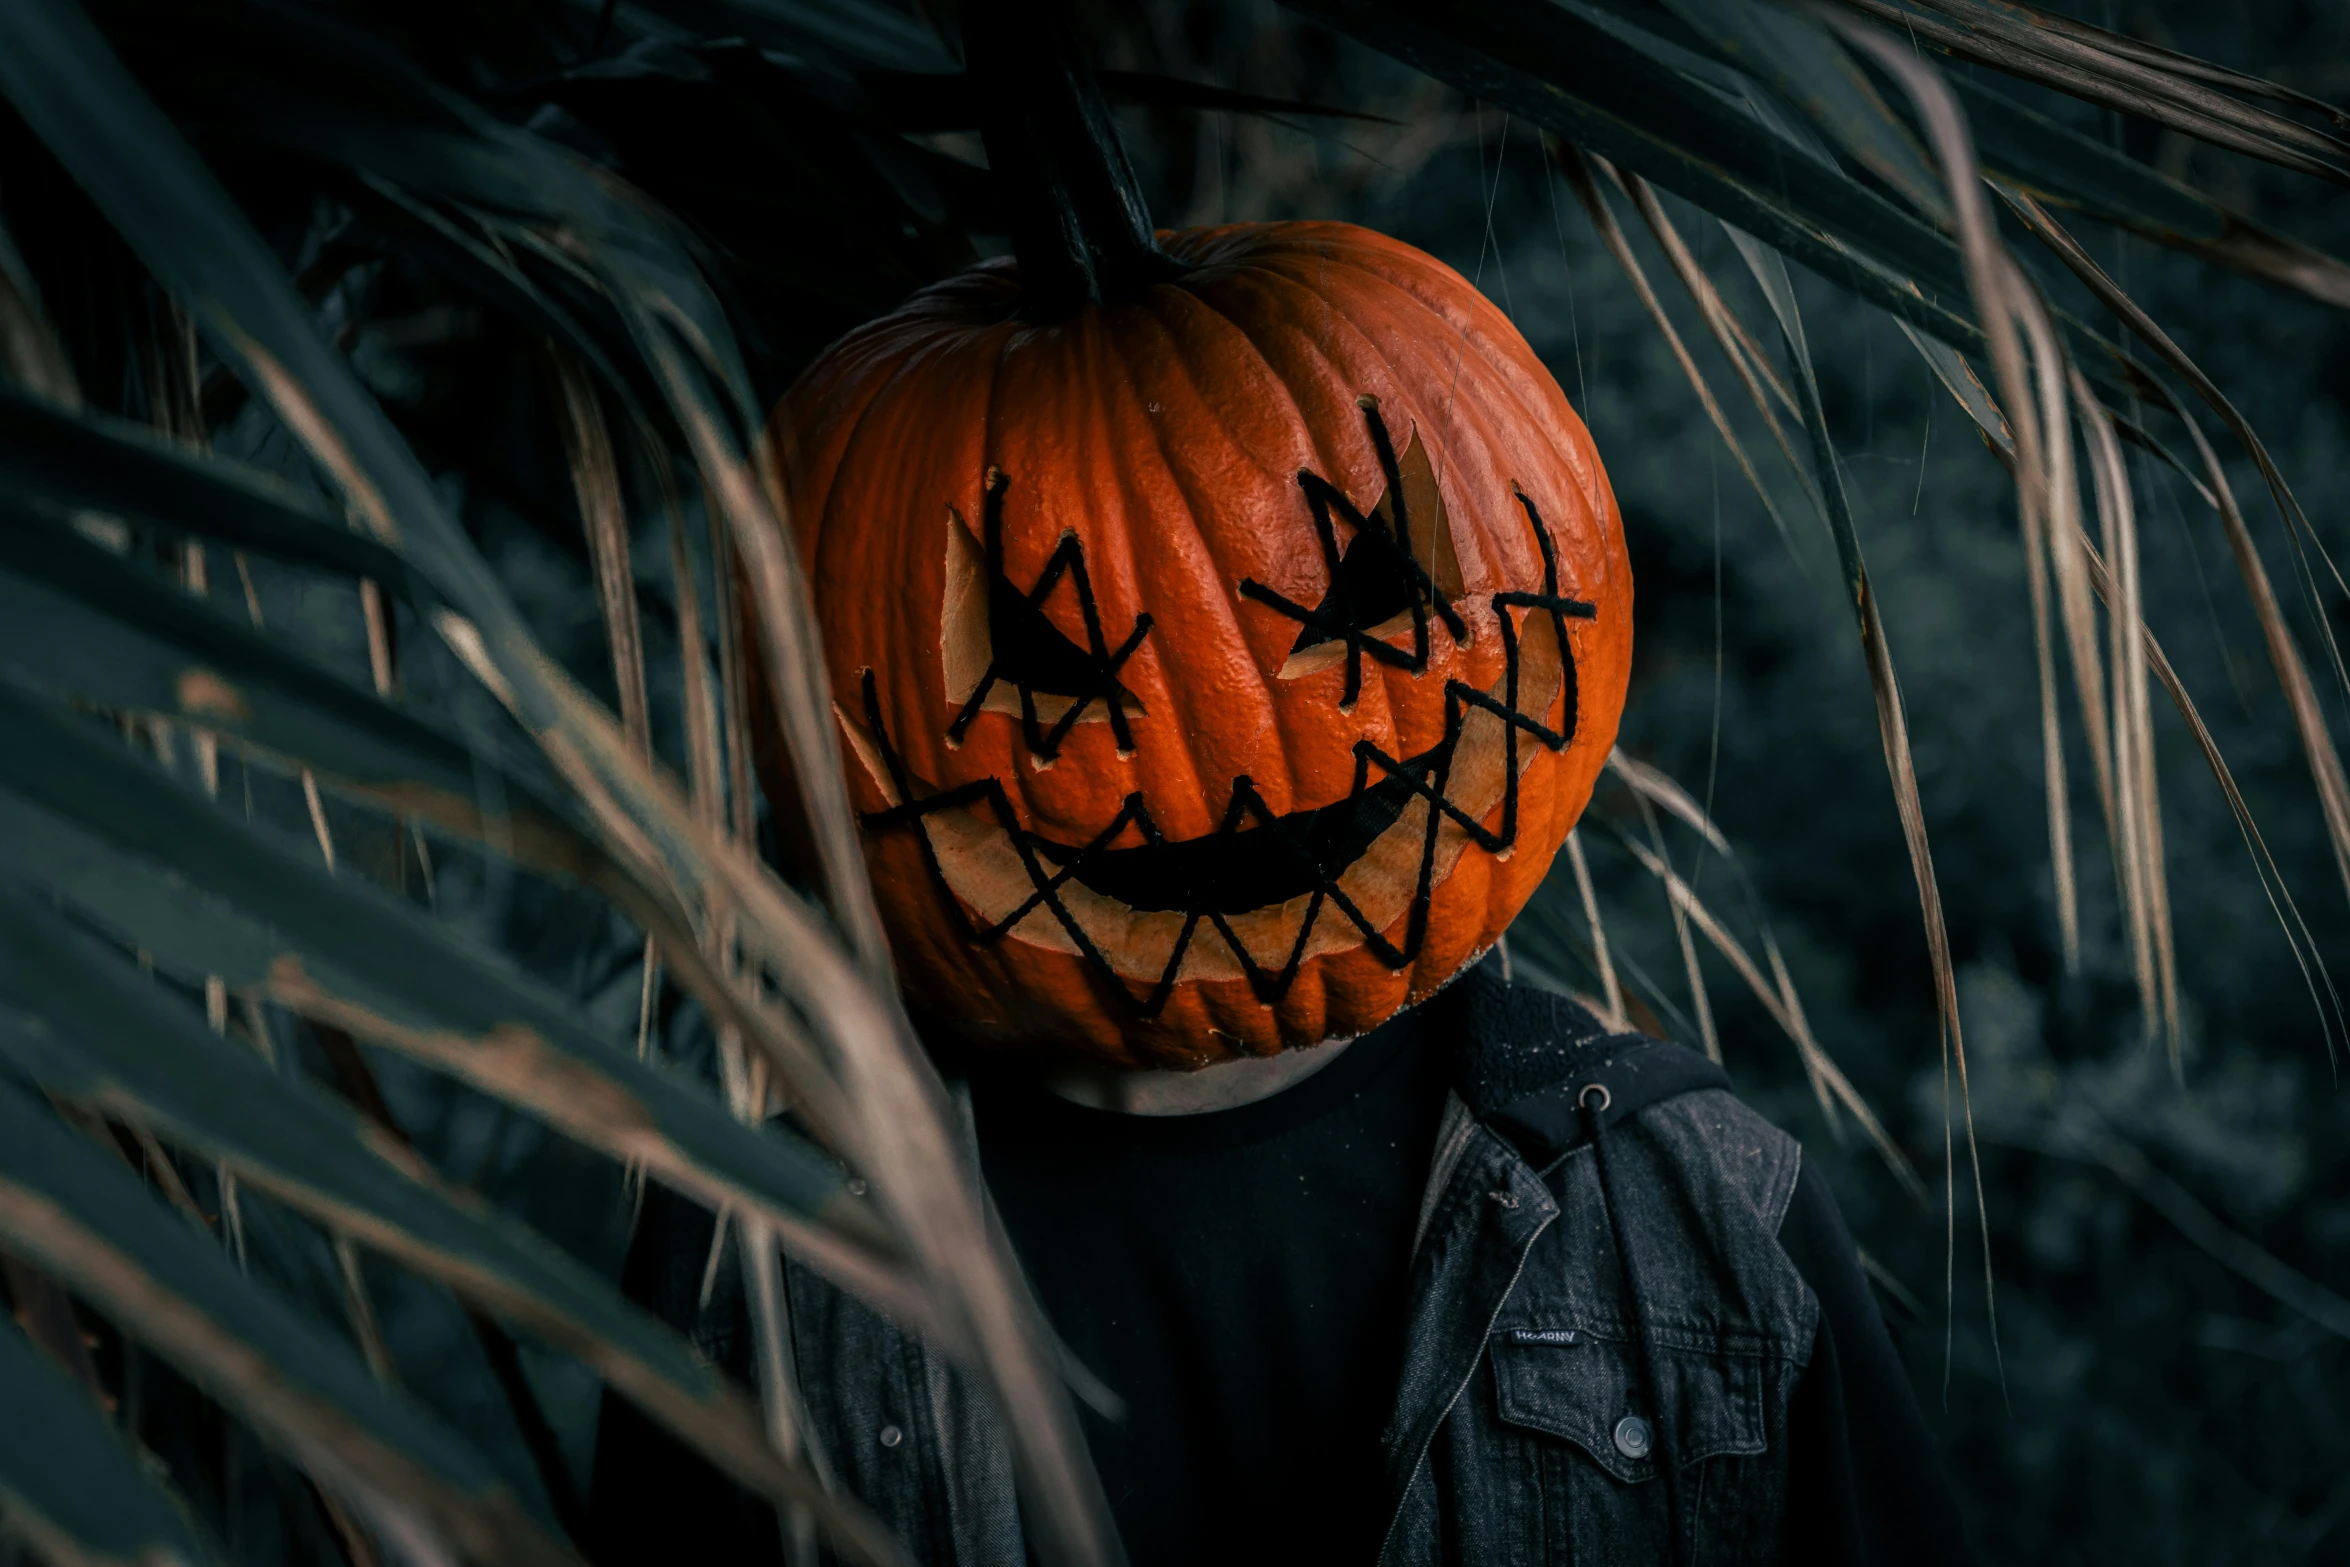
(1864, 1486)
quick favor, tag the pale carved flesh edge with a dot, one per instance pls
(984, 870)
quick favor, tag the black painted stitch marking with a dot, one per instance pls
(1026, 649)
(1342, 617)
(1426, 776)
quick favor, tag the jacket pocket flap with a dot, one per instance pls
(1567, 1383)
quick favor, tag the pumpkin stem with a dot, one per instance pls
(1078, 222)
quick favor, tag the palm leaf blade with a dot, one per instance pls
(69, 1483)
(83, 1033)
(79, 460)
(86, 1221)
(209, 896)
(85, 624)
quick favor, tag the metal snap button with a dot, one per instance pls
(891, 1436)
(1632, 1437)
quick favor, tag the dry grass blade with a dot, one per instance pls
(791, 663)
(337, 1447)
(2167, 101)
(779, 1396)
(358, 1305)
(734, 684)
(795, 945)
(934, 1198)
(2050, 518)
(375, 612)
(177, 408)
(2060, 835)
(2272, 881)
(1738, 345)
(2184, 65)
(1893, 728)
(2164, 79)
(1611, 991)
(2325, 763)
(2041, 459)
(45, 1313)
(1996, 286)
(1890, 1282)
(1654, 784)
(922, 1177)
(2109, 294)
(603, 513)
(1791, 1022)
(896, 1129)
(853, 1247)
(30, 353)
(1700, 1004)
(2151, 948)
(1570, 161)
(359, 1308)
(1958, 378)
(705, 777)
(1821, 1088)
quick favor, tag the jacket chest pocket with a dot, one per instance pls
(1592, 1441)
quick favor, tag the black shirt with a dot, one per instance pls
(1238, 1278)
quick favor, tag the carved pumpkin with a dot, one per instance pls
(1218, 670)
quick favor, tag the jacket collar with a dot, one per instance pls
(1525, 1057)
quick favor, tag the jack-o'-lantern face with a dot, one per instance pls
(1217, 671)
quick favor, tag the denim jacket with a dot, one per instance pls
(1604, 1335)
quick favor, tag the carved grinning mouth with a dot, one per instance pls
(1275, 888)
(1228, 872)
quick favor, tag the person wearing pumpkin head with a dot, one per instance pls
(1225, 629)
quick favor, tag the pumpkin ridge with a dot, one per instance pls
(1398, 375)
(1268, 681)
(1201, 551)
(1323, 370)
(1466, 329)
(1404, 380)
(1099, 371)
(902, 368)
(1473, 426)
(1459, 333)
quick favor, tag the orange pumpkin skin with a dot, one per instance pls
(1167, 435)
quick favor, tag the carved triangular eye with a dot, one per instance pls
(1395, 572)
(1373, 585)
(1386, 571)
(1003, 653)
